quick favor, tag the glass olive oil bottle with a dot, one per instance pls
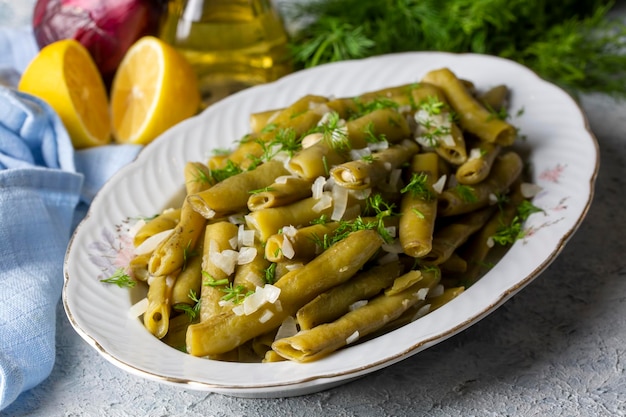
(232, 44)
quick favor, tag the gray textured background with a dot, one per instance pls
(558, 348)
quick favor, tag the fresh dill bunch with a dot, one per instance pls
(572, 43)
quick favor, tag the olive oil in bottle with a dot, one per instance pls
(231, 44)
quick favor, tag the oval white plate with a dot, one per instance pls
(563, 158)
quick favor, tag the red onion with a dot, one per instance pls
(107, 28)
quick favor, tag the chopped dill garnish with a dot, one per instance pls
(378, 103)
(270, 273)
(270, 127)
(323, 219)
(121, 279)
(284, 140)
(418, 213)
(334, 132)
(526, 208)
(371, 136)
(418, 187)
(210, 281)
(432, 105)
(261, 190)
(202, 176)
(507, 234)
(188, 252)
(466, 193)
(235, 293)
(219, 175)
(191, 311)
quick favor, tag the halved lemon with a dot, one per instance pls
(154, 88)
(65, 76)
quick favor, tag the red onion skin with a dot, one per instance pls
(107, 28)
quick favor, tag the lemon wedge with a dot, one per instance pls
(154, 88)
(64, 75)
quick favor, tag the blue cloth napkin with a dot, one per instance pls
(45, 188)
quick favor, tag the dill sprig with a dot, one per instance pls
(418, 187)
(465, 193)
(508, 234)
(219, 175)
(269, 273)
(192, 311)
(121, 279)
(235, 293)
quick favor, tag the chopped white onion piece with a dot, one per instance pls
(151, 243)
(493, 199)
(293, 267)
(283, 179)
(448, 140)
(318, 187)
(422, 311)
(311, 139)
(288, 328)
(353, 337)
(236, 218)
(225, 260)
(529, 190)
(238, 310)
(319, 108)
(422, 293)
(253, 302)
(169, 281)
(340, 203)
(132, 231)
(255, 279)
(356, 154)
(357, 304)
(395, 247)
(290, 231)
(282, 156)
(378, 146)
(439, 184)
(325, 202)
(436, 292)
(490, 242)
(246, 255)
(360, 194)
(475, 153)
(272, 293)
(394, 179)
(267, 314)
(422, 117)
(287, 248)
(226, 303)
(138, 308)
(262, 295)
(330, 184)
(405, 108)
(251, 222)
(245, 237)
(234, 242)
(388, 258)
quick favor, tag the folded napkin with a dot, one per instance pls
(45, 188)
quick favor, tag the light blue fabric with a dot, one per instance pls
(45, 188)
